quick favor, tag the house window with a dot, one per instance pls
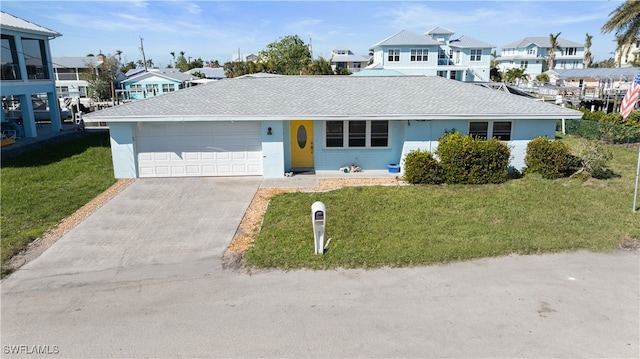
(379, 133)
(442, 73)
(356, 134)
(453, 75)
(9, 59)
(152, 88)
(168, 88)
(334, 133)
(443, 59)
(394, 55)
(35, 59)
(489, 129)
(136, 88)
(62, 91)
(531, 51)
(83, 91)
(570, 51)
(419, 55)
(476, 54)
(524, 64)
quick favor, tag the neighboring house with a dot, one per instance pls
(239, 57)
(626, 54)
(27, 74)
(267, 126)
(531, 53)
(435, 53)
(595, 82)
(70, 84)
(154, 82)
(210, 73)
(343, 58)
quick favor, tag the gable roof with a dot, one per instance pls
(540, 41)
(333, 98)
(10, 22)
(406, 37)
(468, 41)
(175, 76)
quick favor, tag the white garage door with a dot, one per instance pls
(199, 149)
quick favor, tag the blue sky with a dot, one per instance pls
(214, 30)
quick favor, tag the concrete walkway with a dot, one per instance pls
(142, 277)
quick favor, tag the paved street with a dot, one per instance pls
(153, 286)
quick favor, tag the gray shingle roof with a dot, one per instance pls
(541, 41)
(333, 97)
(73, 62)
(468, 42)
(8, 21)
(406, 37)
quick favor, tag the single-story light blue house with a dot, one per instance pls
(271, 125)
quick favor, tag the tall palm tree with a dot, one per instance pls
(554, 45)
(625, 21)
(588, 58)
(119, 53)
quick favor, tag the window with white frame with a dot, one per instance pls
(152, 88)
(394, 55)
(532, 51)
(168, 88)
(135, 88)
(476, 55)
(419, 55)
(524, 64)
(490, 129)
(356, 134)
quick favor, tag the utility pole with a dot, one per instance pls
(144, 59)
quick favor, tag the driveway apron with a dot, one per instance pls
(151, 223)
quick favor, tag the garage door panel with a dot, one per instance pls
(199, 149)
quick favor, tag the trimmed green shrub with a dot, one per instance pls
(470, 160)
(421, 168)
(551, 159)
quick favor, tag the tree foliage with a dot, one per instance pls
(98, 77)
(624, 21)
(555, 45)
(515, 75)
(288, 56)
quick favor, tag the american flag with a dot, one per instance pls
(630, 99)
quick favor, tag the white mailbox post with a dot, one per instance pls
(318, 218)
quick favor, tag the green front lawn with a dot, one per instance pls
(417, 225)
(42, 187)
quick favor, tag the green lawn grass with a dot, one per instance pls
(417, 225)
(42, 187)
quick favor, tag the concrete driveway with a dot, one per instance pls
(142, 277)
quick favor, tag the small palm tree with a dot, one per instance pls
(625, 21)
(588, 58)
(554, 45)
(515, 75)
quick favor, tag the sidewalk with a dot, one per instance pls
(305, 180)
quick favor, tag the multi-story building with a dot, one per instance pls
(27, 76)
(628, 55)
(436, 52)
(531, 54)
(343, 58)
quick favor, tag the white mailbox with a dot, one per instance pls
(319, 220)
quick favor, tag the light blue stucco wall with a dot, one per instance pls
(24, 88)
(122, 150)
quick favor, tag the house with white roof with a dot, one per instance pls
(531, 54)
(343, 58)
(435, 53)
(27, 75)
(267, 126)
(154, 82)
